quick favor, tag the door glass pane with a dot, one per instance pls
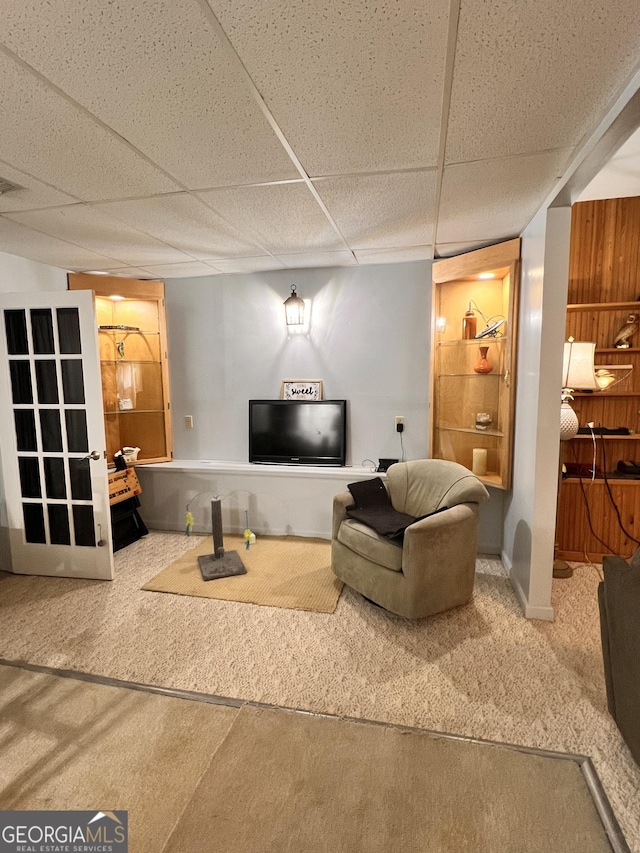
(47, 382)
(69, 330)
(77, 440)
(15, 322)
(42, 330)
(25, 429)
(21, 389)
(80, 479)
(83, 524)
(51, 431)
(72, 381)
(59, 532)
(34, 523)
(54, 477)
(29, 477)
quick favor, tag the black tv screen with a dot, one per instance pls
(297, 432)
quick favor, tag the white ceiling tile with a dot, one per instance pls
(282, 218)
(394, 256)
(262, 263)
(32, 193)
(184, 222)
(18, 240)
(156, 72)
(536, 76)
(382, 211)
(99, 232)
(49, 137)
(495, 199)
(318, 259)
(355, 86)
(131, 272)
(187, 270)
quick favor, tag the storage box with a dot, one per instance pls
(123, 485)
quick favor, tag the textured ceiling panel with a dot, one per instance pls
(32, 193)
(97, 231)
(382, 211)
(535, 76)
(190, 270)
(355, 86)
(394, 256)
(156, 72)
(131, 272)
(283, 218)
(263, 263)
(184, 222)
(494, 199)
(318, 259)
(48, 137)
(18, 240)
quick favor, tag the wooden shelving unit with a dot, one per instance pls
(134, 365)
(604, 283)
(458, 393)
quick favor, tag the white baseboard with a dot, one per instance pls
(530, 611)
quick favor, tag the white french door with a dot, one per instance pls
(52, 436)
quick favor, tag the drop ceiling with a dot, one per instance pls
(177, 138)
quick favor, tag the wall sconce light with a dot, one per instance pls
(294, 309)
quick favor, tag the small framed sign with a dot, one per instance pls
(301, 389)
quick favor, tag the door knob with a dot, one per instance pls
(95, 455)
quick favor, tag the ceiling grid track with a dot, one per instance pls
(235, 59)
(452, 39)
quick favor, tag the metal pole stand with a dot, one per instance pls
(220, 564)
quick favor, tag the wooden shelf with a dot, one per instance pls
(589, 437)
(603, 306)
(142, 376)
(620, 350)
(602, 291)
(603, 395)
(458, 393)
(478, 432)
(611, 478)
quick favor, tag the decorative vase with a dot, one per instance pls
(483, 365)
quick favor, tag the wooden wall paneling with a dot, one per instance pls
(604, 286)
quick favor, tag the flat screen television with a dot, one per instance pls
(297, 432)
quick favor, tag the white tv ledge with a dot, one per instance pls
(281, 500)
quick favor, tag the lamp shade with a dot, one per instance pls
(577, 366)
(294, 308)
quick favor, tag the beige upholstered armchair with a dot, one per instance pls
(433, 568)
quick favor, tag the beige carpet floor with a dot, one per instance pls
(202, 777)
(282, 571)
(481, 670)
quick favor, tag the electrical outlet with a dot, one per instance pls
(188, 421)
(399, 423)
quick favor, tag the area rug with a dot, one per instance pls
(282, 571)
(252, 779)
(289, 781)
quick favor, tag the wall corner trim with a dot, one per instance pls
(530, 611)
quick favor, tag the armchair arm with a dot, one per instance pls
(340, 504)
(446, 536)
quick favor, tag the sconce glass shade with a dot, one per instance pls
(294, 309)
